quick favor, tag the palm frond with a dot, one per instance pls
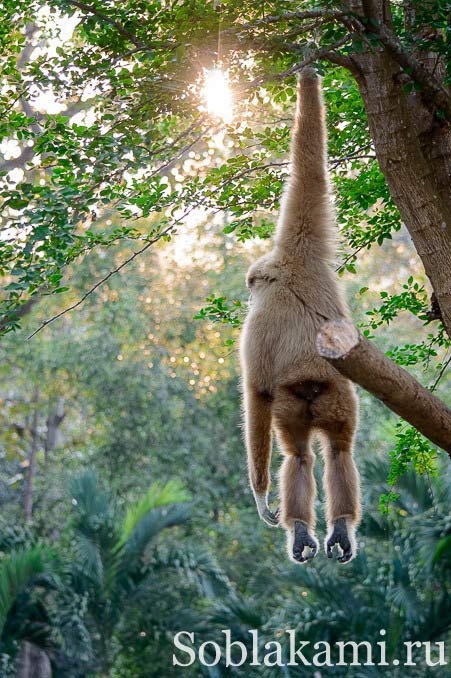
(198, 567)
(94, 509)
(89, 558)
(88, 497)
(403, 593)
(237, 615)
(173, 492)
(147, 528)
(17, 571)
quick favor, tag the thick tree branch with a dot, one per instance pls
(344, 61)
(432, 90)
(285, 16)
(357, 358)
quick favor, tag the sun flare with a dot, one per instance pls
(217, 94)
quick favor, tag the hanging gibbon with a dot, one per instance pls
(287, 387)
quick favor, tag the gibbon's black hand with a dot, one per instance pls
(340, 536)
(271, 518)
(302, 540)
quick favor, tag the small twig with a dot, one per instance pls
(109, 275)
(316, 55)
(441, 373)
(257, 168)
(357, 155)
(186, 132)
(282, 37)
(334, 165)
(178, 156)
(98, 284)
(351, 256)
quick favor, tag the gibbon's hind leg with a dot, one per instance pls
(297, 496)
(341, 480)
(334, 414)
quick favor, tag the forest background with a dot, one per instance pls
(130, 214)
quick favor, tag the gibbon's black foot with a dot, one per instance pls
(303, 540)
(340, 537)
(271, 518)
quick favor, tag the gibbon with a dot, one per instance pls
(287, 387)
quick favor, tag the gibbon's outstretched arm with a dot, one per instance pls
(307, 217)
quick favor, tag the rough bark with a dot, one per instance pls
(413, 147)
(360, 360)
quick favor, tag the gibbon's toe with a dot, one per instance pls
(340, 537)
(303, 542)
(271, 518)
(346, 557)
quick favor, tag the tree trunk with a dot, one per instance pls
(360, 360)
(421, 194)
(413, 148)
(55, 418)
(33, 662)
(31, 472)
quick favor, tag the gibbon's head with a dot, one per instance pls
(261, 274)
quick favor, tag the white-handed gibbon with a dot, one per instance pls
(287, 387)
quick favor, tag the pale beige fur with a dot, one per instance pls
(287, 387)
